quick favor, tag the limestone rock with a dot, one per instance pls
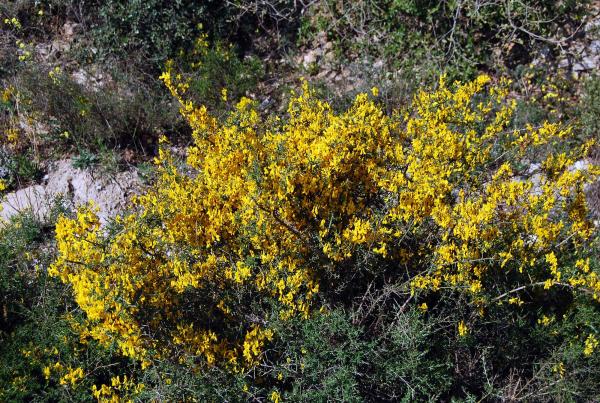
(111, 194)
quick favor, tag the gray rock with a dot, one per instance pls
(310, 58)
(34, 198)
(329, 57)
(91, 77)
(69, 30)
(379, 64)
(579, 166)
(586, 63)
(592, 26)
(111, 194)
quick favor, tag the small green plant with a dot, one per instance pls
(84, 160)
(18, 169)
(146, 172)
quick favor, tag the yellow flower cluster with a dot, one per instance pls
(24, 50)
(55, 75)
(8, 94)
(13, 22)
(67, 375)
(72, 376)
(463, 330)
(11, 134)
(591, 344)
(121, 389)
(265, 206)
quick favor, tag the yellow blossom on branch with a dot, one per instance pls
(267, 206)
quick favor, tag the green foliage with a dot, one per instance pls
(212, 69)
(37, 316)
(120, 112)
(16, 240)
(84, 159)
(459, 37)
(146, 172)
(332, 357)
(590, 108)
(18, 169)
(155, 28)
(410, 362)
(326, 355)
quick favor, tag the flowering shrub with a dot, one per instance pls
(43, 357)
(268, 210)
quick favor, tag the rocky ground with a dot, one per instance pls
(74, 187)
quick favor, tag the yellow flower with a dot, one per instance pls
(515, 301)
(545, 320)
(591, 344)
(275, 397)
(559, 369)
(46, 372)
(463, 330)
(72, 376)
(13, 22)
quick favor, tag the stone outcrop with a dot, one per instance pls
(110, 193)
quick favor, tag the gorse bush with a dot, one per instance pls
(429, 240)
(43, 358)
(275, 219)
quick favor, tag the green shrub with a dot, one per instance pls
(157, 30)
(121, 112)
(17, 239)
(352, 255)
(330, 357)
(18, 169)
(38, 345)
(589, 108)
(459, 37)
